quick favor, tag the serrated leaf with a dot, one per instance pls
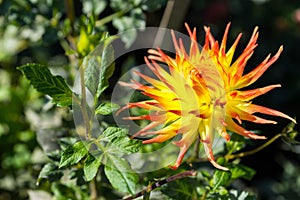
(182, 189)
(99, 67)
(62, 99)
(120, 174)
(220, 178)
(242, 171)
(74, 153)
(51, 172)
(43, 81)
(112, 133)
(91, 166)
(120, 142)
(106, 108)
(125, 145)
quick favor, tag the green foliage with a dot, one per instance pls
(74, 153)
(51, 172)
(99, 67)
(106, 108)
(220, 178)
(43, 81)
(119, 141)
(182, 189)
(91, 166)
(118, 172)
(242, 171)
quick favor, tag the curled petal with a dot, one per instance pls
(264, 110)
(185, 142)
(251, 94)
(252, 76)
(210, 156)
(232, 126)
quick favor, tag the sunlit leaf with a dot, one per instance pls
(106, 108)
(74, 153)
(120, 142)
(120, 175)
(220, 178)
(99, 67)
(91, 166)
(42, 80)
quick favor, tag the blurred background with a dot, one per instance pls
(36, 31)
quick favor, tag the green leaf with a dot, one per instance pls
(91, 166)
(74, 153)
(111, 133)
(51, 172)
(236, 143)
(106, 108)
(242, 171)
(125, 145)
(120, 142)
(241, 195)
(119, 174)
(220, 178)
(43, 81)
(99, 67)
(185, 188)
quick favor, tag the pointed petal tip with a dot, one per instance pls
(281, 48)
(216, 165)
(257, 137)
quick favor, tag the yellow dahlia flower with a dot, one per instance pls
(200, 94)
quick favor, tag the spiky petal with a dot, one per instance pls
(200, 94)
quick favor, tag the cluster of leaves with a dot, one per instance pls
(87, 155)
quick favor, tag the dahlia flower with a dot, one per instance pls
(201, 94)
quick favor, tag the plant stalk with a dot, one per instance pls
(162, 182)
(251, 152)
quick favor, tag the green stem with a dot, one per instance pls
(93, 190)
(70, 12)
(109, 18)
(203, 197)
(83, 104)
(251, 152)
(162, 182)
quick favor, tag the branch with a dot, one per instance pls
(162, 182)
(251, 152)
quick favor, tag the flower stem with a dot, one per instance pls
(162, 182)
(109, 18)
(93, 190)
(248, 153)
(84, 104)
